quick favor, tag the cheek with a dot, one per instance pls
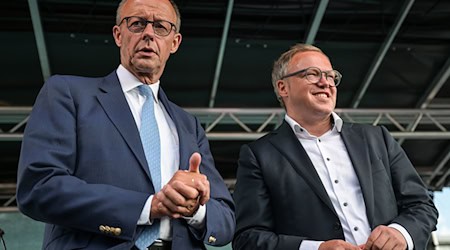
(129, 47)
(129, 42)
(334, 93)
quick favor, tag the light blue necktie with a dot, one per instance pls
(150, 141)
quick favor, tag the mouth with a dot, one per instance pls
(146, 51)
(322, 94)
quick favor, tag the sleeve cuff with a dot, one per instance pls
(144, 219)
(310, 245)
(405, 234)
(198, 218)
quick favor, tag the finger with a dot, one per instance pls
(373, 238)
(389, 245)
(187, 191)
(192, 205)
(173, 195)
(167, 212)
(194, 162)
(158, 209)
(204, 191)
(180, 192)
(167, 205)
(178, 204)
(393, 239)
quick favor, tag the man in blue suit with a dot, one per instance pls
(83, 168)
(319, 183)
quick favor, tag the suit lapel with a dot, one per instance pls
(357, 147)
(113, 101)
(187, 144)
(288, 145)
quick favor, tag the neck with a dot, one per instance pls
(315, 126)
(145, 76)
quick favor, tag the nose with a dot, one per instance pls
(323, 82)
(148, 32)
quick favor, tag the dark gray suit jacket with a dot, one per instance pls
(281, 201)
(83, 171)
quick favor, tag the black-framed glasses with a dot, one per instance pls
(137, 24)
(314, 74)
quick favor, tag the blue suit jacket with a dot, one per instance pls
(280, 199)
(83, 172)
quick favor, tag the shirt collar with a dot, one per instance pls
(129, 82)
(297, 128)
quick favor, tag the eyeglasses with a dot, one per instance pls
(314, 75)
(137, 24)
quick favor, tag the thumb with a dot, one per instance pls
(194, 162)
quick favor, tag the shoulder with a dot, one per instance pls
(366, 128)
(378, 133)
(76, 85)
(267, 141)
(73, 80)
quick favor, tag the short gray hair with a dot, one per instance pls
(175, 7)
(281, 64)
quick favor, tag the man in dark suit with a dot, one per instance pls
(84, 167)
(319, 183)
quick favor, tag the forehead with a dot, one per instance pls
(309, 59)
(160, 9)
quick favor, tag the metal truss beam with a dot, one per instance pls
(382, 53)
(224, 124)
(39, 36)
(318, 16)
(249, 124)
(223, 43)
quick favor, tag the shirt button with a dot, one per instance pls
(336, 181)
(319, 140)
(345, 204)
(328, 159)
(355, 228)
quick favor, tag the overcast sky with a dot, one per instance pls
(442, 201)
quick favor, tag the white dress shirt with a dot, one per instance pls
(335, 169)
(170, 156)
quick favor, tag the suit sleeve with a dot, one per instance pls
(254, 215)
(220, 218)
(416, 211)
(48, 188)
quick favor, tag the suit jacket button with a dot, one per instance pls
(212, 239)
(102, 228)
(117, 231)
(337, 226)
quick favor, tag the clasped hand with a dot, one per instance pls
(183, 194)
(381, 238)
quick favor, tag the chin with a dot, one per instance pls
(146, 67)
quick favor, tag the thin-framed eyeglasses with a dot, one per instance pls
(138, 24)
(314, 75)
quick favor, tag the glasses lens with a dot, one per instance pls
(136, 24)
(161, 27)
(336, 77)
(313, 74)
